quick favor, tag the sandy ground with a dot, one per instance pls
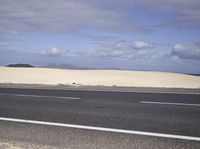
(97, 78)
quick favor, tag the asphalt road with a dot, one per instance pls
(162, 113)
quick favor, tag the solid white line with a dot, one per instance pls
(38, 96)
(102, 129)
(109, 90)
(128, 91)
(170, 103)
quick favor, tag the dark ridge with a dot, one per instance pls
(194, 74)
(20, 65)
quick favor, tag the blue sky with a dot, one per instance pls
(130, 34)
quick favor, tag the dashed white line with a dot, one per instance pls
(170, 103)
(102, 129)
(39, 96)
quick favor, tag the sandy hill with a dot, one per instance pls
(98, 77)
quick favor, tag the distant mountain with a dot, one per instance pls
(70, 66)
(110, 68)
(20, 65)
(65, 66)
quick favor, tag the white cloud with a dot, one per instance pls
(142, 45)
(137, 50)
(54, 52)
(184, 51)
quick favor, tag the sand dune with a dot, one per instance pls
(97, 78)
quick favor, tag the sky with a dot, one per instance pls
(156, 35)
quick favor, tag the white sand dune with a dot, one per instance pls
(97, 78)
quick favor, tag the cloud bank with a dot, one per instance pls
(136, 50)
(5, 43)
(61, 16)
(74, 15)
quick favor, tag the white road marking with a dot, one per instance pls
(109, 90)
(128, 91)
(39, 96)
(170, 103)
(102, 129)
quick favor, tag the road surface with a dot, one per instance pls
(33, 118)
